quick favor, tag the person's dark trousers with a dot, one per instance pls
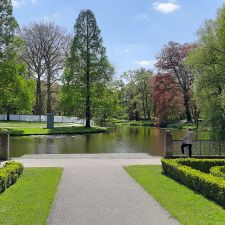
(189, 147)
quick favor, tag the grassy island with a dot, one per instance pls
(35, 128)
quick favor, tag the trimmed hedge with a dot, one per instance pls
(218, 171)
(208, 185)
(9, 173)
(204, 165)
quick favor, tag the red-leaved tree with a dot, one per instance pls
(171, 60)
(166, 96)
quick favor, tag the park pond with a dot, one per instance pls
(121, 139)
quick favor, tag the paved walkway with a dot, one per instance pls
(95, 190)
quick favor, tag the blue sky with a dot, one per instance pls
(133, 31)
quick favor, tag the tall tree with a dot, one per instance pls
(33, 57)
(55, 43)
(166, 96)
(137, 94)
(207, 63)
(106, 104)
(171, 59)
(8, 26)
(46, 46)
(144, 88)
(87, 65)
(15, 90)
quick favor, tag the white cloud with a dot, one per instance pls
(146, 63)
(17, 3)
(166, 7)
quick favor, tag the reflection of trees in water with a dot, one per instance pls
(37, 145)
(49, 145)
(121, 139)
(87, 143)
(43, 145)
(133, 131)
(157, 141)
(147, 132)
(21, 145)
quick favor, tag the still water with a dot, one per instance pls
(121, 139)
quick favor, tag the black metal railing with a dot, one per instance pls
(208, 148)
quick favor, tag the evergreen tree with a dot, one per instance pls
(87, 67)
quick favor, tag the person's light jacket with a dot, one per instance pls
(188, 137)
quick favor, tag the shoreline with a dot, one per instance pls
(79, 130)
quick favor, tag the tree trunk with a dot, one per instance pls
(187, 108)
(49, 102)
(144, 108)
(88, 104)
(88, 107)
(88, 114)
(147, 107)
(8, 116)
(136, 116)
(38, 110)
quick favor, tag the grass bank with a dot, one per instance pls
(185, 205)
(34, 128)
(131, 122)
(29, 201)
(153, 123)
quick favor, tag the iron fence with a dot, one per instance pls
(208, 148)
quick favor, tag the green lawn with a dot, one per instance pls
(34, 128)
(29, 200)
(185, 205)
(17, 124)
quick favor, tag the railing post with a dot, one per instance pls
(4, 149)
(168, 144)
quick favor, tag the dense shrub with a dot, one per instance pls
(204, 165)
(9, 174)
(3, 180)
(218, 171)
(142, 123)
(208, 185)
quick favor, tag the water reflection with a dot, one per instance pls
(123, 139)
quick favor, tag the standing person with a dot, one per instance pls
(187, 140)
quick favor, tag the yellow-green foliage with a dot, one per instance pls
(9, 174)
(218, 171)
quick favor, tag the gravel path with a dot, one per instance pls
(96, 190)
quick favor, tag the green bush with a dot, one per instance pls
(12, 132)
(208, 185)
(203, 165)
(3, 180)
(218, 171)
(176, 126)
(9, 174)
